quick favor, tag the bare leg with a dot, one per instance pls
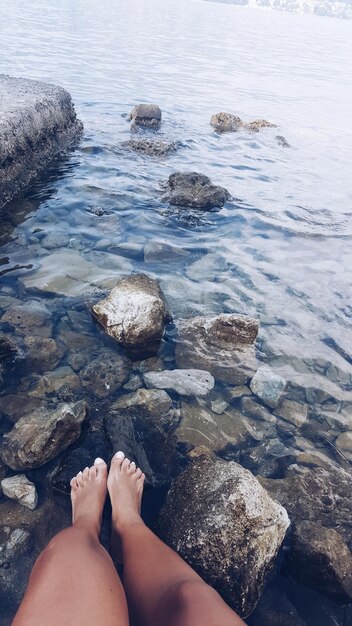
(74, 582)
(160, 587)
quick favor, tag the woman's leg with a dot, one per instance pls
(160, 587)
(74, 582)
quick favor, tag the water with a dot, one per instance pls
(281, 250)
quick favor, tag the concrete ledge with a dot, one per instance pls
(37, 121)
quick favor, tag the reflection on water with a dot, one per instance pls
(279, 251)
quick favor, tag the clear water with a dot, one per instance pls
(282, 250)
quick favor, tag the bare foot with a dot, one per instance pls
(125, 485)
(88, 493)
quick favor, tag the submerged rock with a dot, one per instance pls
(147, 115)
(155, 147)
(31, 318)
(282, 141)
(105, 374)
(227, 122)
(134, 313)
(187, 382)
(196, 191)
(344, 445)
(151, 403)
(37, 122)
(222, 345)
(42, 353)
(21, 489)
(39, 437)
(62, 382)
(218, 499)
(268, 386)
(256, 125)
(293, 412)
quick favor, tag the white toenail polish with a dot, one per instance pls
(79, 474)
(86, 468)
(119, 455)
(133, 463)
(98, 460)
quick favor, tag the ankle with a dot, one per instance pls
(123, 524)
(88, 526)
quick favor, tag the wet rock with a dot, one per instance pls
(218, 406)
(152, 403)
(42, 354)
(209, 265)
(15, 406)
(105, 374)
(282, 141)
(151, 147)
(268, 386)
(233, 394)
(320, 559)
(147, 115)
(222, 345)
(37, 121)
(56, 239)
(315, 389)
(268, 459)
(39, 437)
(293, 412)
(255, 410)
(31, 318)
(319, 495)
(121, 435)
(19, 488)
(133, 383)
(225, 122)
(196, 191)
(62, 382)
(344, 444)
(275, 609)
(155, 251)
(190, 382)
(256, 125)
(134, 313)
(215, 498)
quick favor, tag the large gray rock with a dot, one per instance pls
(31, 318)
(37, 438)
(227, 122)
(190, 382)
(105, 374)
(196, 191)
(151, 403)
(19, 488)
(221, 345)
(268, 386)
(220, 520)
(134, 313)
(37, 121)
(147, 115)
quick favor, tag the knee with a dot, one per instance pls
(190, 593)
(68, 540)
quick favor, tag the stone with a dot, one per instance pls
(211, 499)
(268, 386)
(268, 459)
(209, 265)
(344, 445)
(186, 382)
(195, 191)
(282, 141)
(134, 313)
(218, 406)
(37, 122)
(31, 318)
(147, 115)
(152, 403)
(255, 410)
(105, 374)
(233, 394)
(56, 239)
(62, 383)
(222, 345)
(275, 608)
(121, 435)
(256, 125)
(17, 405)
(19, 488)
(42, 353)
(133, 383)
(151, 147)
(319, 558)
(39, 437)
(293, 412)
(155, 251)
(225, 122)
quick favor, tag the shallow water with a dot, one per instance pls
(280, 251)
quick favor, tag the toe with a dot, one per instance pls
(138, 472)
(85, 473)
(125, 465)
(92, 473)
(73, 483)
(133, 466)
(101, 468)
(117, 459)
(79, 479)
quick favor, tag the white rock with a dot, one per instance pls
(268, 386)
(21, 489)
(191, 382)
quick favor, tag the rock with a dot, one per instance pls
(151, 403)
(215, 498)
(275, 609)
(293, 412)
(218, 406)
(225, 122)
(15, 406)
(256, 125)
(282, 141)
(235, 393)
(319, 558)
(155, 251)
(268, 386)
(199, 426)
(21, 489)
(151, 147)
(221, 345)
(190, 382)
(255, 410)
(196, 191)
(39, 437)
(133, 383)
(62, 382)
(105, 374)
(344, 445)
(67, 273)
(209, 265)
(121, 435)
(56, 239)
(134, 313)
(319, 495)
(31, 318)
(37, 122)
(42, 354)
(147, 115)
(268, 459)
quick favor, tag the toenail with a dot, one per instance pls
(119, 455)
(98, 460)
(79, 474)
(133, 463)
